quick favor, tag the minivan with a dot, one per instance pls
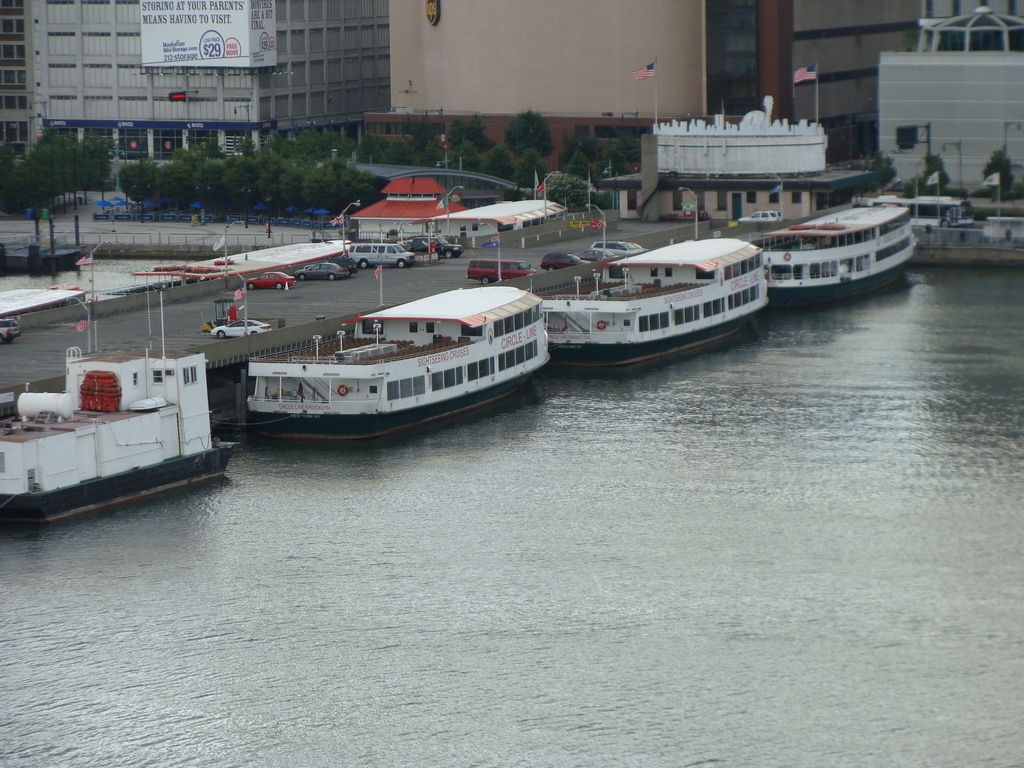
(486, 270)
(366, 254)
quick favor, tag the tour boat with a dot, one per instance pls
(406, 365)
(126, 427)
(836, 256)
(663, 301)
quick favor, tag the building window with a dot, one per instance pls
(752, 197)
(796, 197)
(723, 201)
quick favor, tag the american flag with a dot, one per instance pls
(805, 74)
(84, 261)
(640, 74)
(377, 272)
(240, 293)
(82, 325)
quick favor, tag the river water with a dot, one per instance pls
(801, 549)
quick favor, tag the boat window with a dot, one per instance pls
(654, 271)
(472, 330)
(429, 327)
(668, 271)
(781, 272)
(518, 320)
(413, 326)
(706, 274)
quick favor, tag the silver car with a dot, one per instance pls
(619, 247)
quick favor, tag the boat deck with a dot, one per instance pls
(618, 292)
(405, 348)
(17, 431)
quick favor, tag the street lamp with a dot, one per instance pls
(448, 209)
(696, 231)
(604, 227)
(782, 204)
(245, 214)
(960, 152)
(344, 217)
(1006, 138)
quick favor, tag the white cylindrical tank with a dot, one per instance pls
(31, 404)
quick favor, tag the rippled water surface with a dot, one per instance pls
(804, 548)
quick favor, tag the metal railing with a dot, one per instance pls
(965, 238)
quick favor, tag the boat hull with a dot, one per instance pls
(798, 296)
(103, 492)
(594, 354)
(338, 426)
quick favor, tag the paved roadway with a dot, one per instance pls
(40, 352)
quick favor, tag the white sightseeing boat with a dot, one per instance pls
(418, 362)
(836, 256)
(666, 300)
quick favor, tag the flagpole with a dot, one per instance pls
(655, 92)
(499, 255)
(816, 81)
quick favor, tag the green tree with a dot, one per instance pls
(579, 166)
(529, 131)
(399, 152)
(499, 163)
(628, 144)
(371, 148)
(140, 179)
(588, 146)
(567, 189)
(934, 164)
(471, 131)
(421, 133)
(466, 152)
(999, 162)
(529, 169)
(884, 165)
(612, 163)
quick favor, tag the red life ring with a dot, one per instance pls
(788, 256)
(601, 325)
(342, 390)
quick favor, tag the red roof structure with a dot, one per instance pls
(409, 199)
(420, 186)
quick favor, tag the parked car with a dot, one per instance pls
(389, 255)
(240, 328)
(441, 247)
(762, 217)
(559, 261)
(619, 247)
(10, 329)
(325, 270)
(278, 280)
(596, 254)
(486, 270)
(346, 262)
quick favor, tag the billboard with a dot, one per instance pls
(208, 33)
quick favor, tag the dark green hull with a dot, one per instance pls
(571, 353)
(329, 426)
(803, 295)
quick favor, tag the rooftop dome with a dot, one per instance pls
(973, 32)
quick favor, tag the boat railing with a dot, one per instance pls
(620, 292)
(326, 353)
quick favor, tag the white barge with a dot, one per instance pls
(663, 301)
(837, 256)
(126, 426)
(417, 362)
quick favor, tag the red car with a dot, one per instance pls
(559, 261)
(277, 280)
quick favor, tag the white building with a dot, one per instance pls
(964, 85)
(156, 75)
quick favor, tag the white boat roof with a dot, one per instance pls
(250, 262)
(25, 299)
(851, 220)
(705, 254)
(471, 306)
(505, 213)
